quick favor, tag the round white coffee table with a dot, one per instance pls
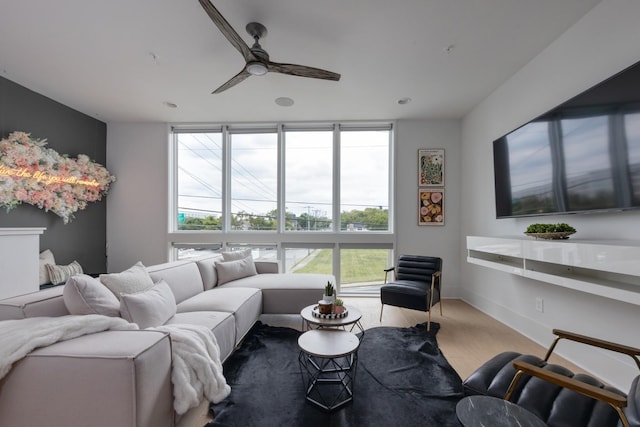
(328, 362)
(351, 319)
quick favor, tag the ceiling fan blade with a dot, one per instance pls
(302, 71)
(233, 80)
(228, 31)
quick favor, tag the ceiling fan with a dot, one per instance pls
(256, 58)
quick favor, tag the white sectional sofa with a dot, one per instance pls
(123, 378)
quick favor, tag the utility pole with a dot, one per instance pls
(316, 214)
(308, 217)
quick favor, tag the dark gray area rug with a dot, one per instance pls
(402, 379)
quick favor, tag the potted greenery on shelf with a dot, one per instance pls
(550, 231)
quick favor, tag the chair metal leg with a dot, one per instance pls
(440, 307)
(429, 321)
(381, 308)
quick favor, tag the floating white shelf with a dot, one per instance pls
(608, 269)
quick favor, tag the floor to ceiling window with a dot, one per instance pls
(317, 197)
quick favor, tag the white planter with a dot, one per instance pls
(331, 298)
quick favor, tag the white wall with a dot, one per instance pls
(432, 240)
(603, 43)
(137, 154)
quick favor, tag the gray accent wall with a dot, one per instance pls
(68, 132)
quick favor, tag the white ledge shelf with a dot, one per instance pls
(607, 269)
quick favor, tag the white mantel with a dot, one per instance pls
(19, 260)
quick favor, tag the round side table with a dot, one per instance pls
(479, 411)
(328, 361)
(351, 319)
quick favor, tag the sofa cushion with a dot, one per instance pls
(47, 302)
(61, 273)
(183, 277)
(223, 326)
(149, 308)
(84, 294)
(207, 267)
(132, 280)
(46, 257)
(236, 255)
(111, 378)
(232, 270)
(244, 303)
(286, 293)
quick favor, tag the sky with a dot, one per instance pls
(364, 172)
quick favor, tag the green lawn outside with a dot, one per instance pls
(358, 265)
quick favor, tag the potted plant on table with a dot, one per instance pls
(550, 231)
(338, 306)
(329, 293)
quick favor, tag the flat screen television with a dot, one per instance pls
(582, 156)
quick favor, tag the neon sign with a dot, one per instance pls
(34, 174)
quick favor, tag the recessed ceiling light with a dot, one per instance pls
(155, 57)
(170, 104)
(403, 101)
(284, 101)
(448, 48)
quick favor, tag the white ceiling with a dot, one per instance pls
(122, 60)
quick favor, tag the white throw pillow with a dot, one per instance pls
(132, 280)
(236, 255)
(46, 257)
(84, 294)
(232, 270)
(61, 273)
(149, 308)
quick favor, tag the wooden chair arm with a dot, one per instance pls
(386, 272)
(607, 345)
(613, 399)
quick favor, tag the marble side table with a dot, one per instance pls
(480, 411)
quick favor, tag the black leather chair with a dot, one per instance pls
(556, 395)
(417, 284)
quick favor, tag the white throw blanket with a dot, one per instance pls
(19, 337)
(197, 368)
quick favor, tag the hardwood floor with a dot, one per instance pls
(467, 337)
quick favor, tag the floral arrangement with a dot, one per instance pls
(34, 174)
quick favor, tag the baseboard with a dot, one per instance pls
(609, 367)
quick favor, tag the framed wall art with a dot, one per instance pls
(431, 167)
(431, 206)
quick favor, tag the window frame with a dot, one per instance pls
(281, 238)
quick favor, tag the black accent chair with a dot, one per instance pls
(555, 394)
(417, 284)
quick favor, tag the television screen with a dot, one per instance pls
(582, 156)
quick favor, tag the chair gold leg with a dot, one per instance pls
(381, 307)
(429, 321)
(440, 307)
